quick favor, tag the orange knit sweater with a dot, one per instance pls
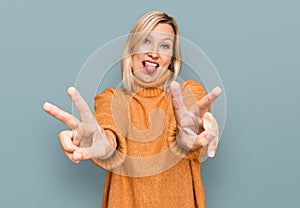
(148, 169)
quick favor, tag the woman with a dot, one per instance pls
(152, 133)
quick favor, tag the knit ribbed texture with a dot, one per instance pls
(142, 172)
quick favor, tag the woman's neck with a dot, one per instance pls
(150, 89)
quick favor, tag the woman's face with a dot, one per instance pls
(153, 57)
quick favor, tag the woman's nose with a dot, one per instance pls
(153, 53)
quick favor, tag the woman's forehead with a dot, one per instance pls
(162, 31)
(163, 28)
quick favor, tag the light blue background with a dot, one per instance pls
(253, 44)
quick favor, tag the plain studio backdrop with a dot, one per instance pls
(253, 44)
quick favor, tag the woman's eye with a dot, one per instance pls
(147, 41)
(165, 46)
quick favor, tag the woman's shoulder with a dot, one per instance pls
(194, 87)
(110, 95)
(104, 97)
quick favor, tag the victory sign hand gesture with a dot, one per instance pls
(190, 122)
(85, 139)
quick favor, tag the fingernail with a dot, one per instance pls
(46, 105)
(77, 161)
(211, 154)
(70, 91)
(218, 90)
(77, 156)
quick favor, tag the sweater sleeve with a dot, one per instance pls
(192, 92)
(104, 116)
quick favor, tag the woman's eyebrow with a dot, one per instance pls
(166, 38)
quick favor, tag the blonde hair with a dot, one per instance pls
(138, 33)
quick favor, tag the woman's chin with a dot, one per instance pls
(147, 78)
(144, 76)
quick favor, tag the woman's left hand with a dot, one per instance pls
(197, 127)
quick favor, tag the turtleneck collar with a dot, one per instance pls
(151, 89)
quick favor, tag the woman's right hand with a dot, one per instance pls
(86, 139)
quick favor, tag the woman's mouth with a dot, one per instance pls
(150, 66)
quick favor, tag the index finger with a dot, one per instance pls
(177, 100)
(81, 105)
(65, 117)
(205, 102)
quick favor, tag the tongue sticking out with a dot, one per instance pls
(149, 68)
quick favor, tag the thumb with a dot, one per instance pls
(210, 125)
(80, 154)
